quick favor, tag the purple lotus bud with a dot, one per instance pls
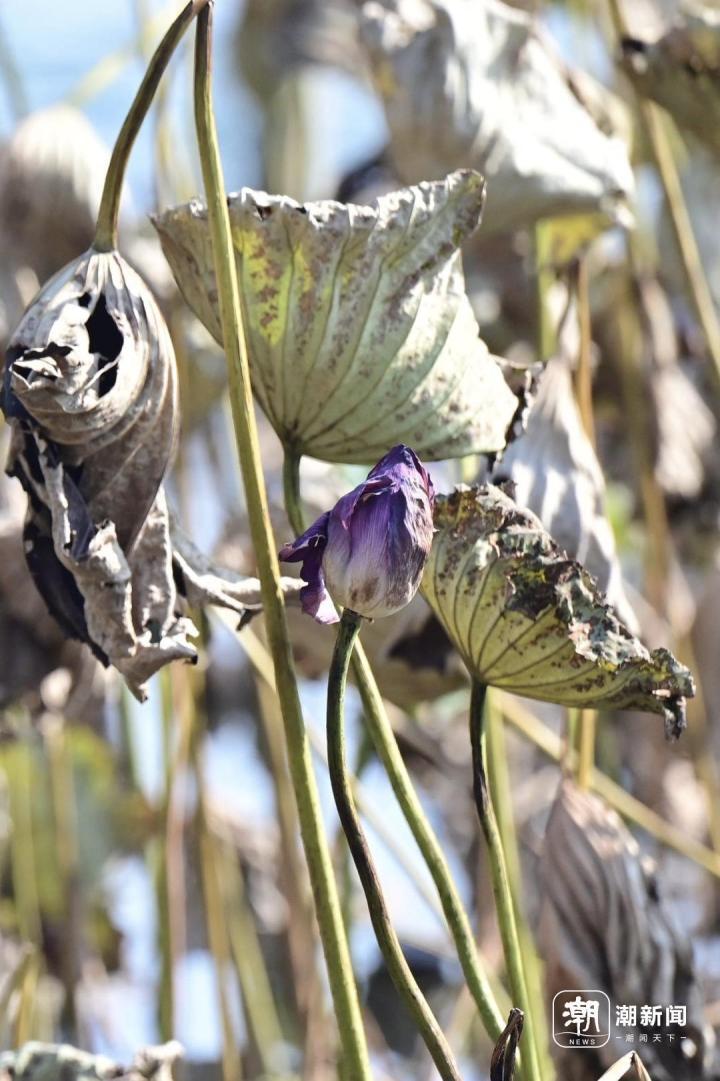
(370, 549)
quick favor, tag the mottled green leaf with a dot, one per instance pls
(527, 618)
(359, 328)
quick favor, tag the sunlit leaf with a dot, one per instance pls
(556, 475)
(681, 71)
(359, 329)
(530, 620)
(474, 83)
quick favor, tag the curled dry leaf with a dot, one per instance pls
(37, 1061)
(474, 83)
(502, 1064)
(603, 925)
(556, 474)
(680, 69)
(530, 620)
(90, 391)
(359, 329)
(51, 181)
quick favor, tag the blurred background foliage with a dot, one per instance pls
(151, 883)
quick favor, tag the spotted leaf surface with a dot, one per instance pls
(527, 618)
(360, 333)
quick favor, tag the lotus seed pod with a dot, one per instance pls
(50, 186)
(359, 329)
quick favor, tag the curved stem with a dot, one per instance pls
(355, 1064)
(107, 222)
(342, 790)
(500, 881)
(386, 746)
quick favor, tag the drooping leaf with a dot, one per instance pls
(360, 332)
(527, 618)
(474, 83)
(556, 475)
(604, 924)
(680, 69)
(91, 393)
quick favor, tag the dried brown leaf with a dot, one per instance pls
(603, 925)
(474, 83)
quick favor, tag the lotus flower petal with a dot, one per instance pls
(527, 618)
(359, 329)
(473, 83)
(372, 545)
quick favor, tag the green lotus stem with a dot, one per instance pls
(504, 901)
(386, 746)
(500, 789)
(355, 1063)
(387, 939)
(106, 230)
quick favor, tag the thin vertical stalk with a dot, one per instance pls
(385, 933)
(383, 737)
(247, 954)
(500, 788)
(544, 277)
(355, 1063)
(106, 232)
(66, 843)
(654, 127)
(586, 748)
(583, 378)
(504, 902)
(215, 922)
(10, 74)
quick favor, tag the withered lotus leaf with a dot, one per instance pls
(530, 620)
(681, 71)
(604, 923)
(90, 391)
(556, 474)
(475, 83)
(360, 333)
